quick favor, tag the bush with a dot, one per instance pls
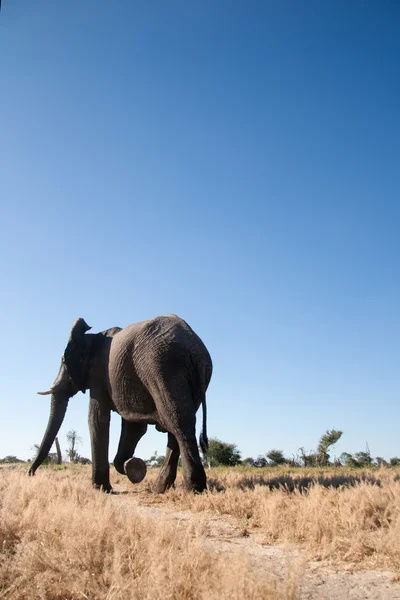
(276, 458)
(10, 459)
(221, 453)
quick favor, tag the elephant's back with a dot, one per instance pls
(157, 337)
(165, 328)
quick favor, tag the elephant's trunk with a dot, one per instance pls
(58, 407)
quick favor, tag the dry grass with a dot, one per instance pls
(335, 515)
(59, 539)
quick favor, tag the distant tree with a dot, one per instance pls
(330, 437)
(348, 460)
(82, 460)
(276, 458)
(381, 462)
(221, 453)
(307, 459)
(10, 459)
(363, 459)
(358, 460)
(248, 462)
(73, 440)
(261, 461)
(294, 462)
(155, 460)
(394, 462)
(320, 458)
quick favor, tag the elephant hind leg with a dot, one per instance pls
(130, 435)
(176, 408)
(193, 471)
(183, 426)
(167, 476)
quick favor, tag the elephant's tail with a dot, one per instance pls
(204, 373)
(203, 435)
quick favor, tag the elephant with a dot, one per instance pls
(155, 372)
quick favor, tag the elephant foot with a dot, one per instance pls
(161, 486)
(195, 488)
(197, 483)
(107, 489)
(135, 469)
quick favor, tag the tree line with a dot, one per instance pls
(228, 455)
(73, 440)
(225, 454)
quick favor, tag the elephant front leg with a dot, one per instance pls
(99, 426)
(130, 436)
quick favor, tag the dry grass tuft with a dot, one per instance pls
(59, 539)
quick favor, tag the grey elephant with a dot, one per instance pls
(152, 372)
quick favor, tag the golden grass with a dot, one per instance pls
(335, 515)
(59, 539)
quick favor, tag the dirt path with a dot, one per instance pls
(224, 537)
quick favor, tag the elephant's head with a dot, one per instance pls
(72, 378)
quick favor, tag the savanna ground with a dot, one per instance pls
(256, 534)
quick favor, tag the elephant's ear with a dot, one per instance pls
(77, 354)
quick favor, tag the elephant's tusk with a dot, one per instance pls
(45, 393)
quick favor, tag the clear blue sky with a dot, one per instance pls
(235, 163)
